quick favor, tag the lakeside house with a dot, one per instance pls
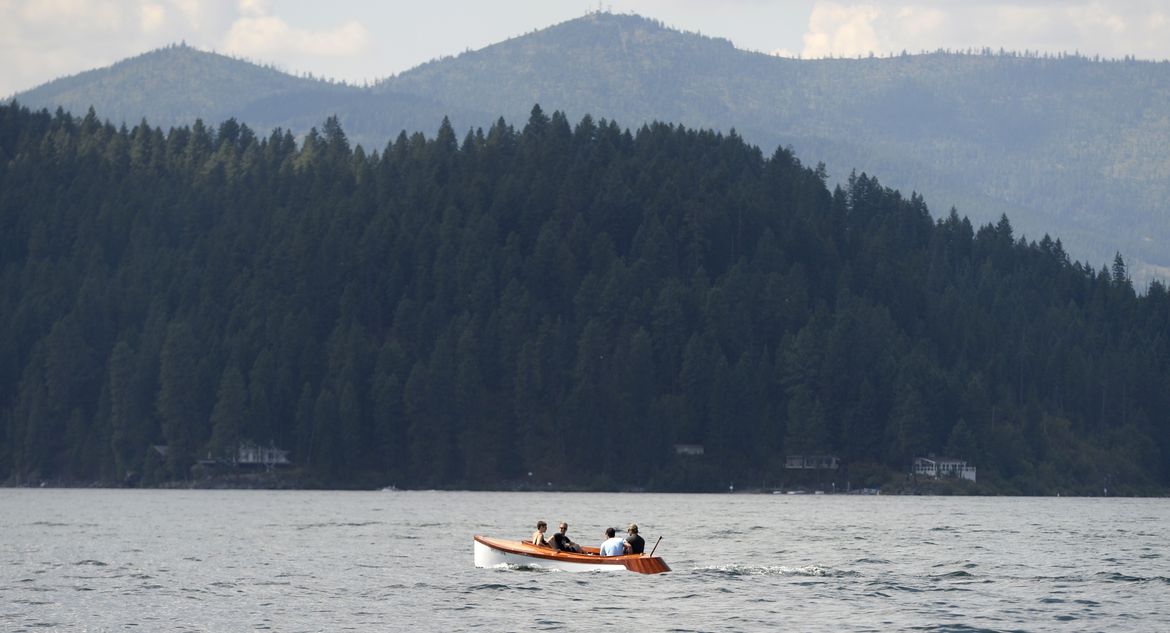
(250, 455)
(943, 467)
(812, 462)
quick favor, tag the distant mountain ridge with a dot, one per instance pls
(1063, 145)
(173, 86)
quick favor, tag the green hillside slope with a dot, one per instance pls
(1067, 146)
(571, 301)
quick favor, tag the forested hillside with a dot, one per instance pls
(1064, 144)
(178, 84)
(567, 300)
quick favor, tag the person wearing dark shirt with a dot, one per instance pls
(634, 544)
(561, 541)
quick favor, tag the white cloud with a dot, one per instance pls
(1097, 16)
(841, 30)
(81, 14)
(191, 10)
(253, 8)
(266, 36)
(921, 20)
(152, 16)
(44, 39)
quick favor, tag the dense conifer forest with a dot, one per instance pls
(1064, 144)
(557, 303)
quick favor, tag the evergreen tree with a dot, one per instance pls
(459, 315)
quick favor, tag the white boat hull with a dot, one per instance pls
(488, 557)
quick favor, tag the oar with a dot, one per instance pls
(655, 546)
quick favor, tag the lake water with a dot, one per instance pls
(151, 560)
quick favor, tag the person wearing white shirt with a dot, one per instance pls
(613, 545)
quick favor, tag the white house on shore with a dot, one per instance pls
(943, 468)
(812, 462)
(248, 455)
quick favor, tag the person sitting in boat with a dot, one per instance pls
(612, 545)
(634, 544)
(538, 535)
(561, 541)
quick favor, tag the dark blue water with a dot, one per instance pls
(114, 560)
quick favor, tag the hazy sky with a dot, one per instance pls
(358, 40)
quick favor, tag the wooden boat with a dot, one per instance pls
(493, 552)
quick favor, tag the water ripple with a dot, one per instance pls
(775, 570)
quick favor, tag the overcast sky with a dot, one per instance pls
(358, 40)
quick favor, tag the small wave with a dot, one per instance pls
(498, 586)
(1119, 577)
(335, 524)
(489, 587)
(955, 574)
(881, 588)
(872, 561)
(91, 562)
(531, 568)
(815, 571)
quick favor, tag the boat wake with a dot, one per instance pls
(1119, 577)
(530, 568)
(812, 571)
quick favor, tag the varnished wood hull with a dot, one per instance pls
(494, 552)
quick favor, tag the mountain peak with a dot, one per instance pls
(179, 80)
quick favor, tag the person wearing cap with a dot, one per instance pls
(612, 545)
(561, 541)
(634, 544)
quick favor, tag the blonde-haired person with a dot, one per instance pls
(561, 541)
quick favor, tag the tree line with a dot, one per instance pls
(559, 303)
